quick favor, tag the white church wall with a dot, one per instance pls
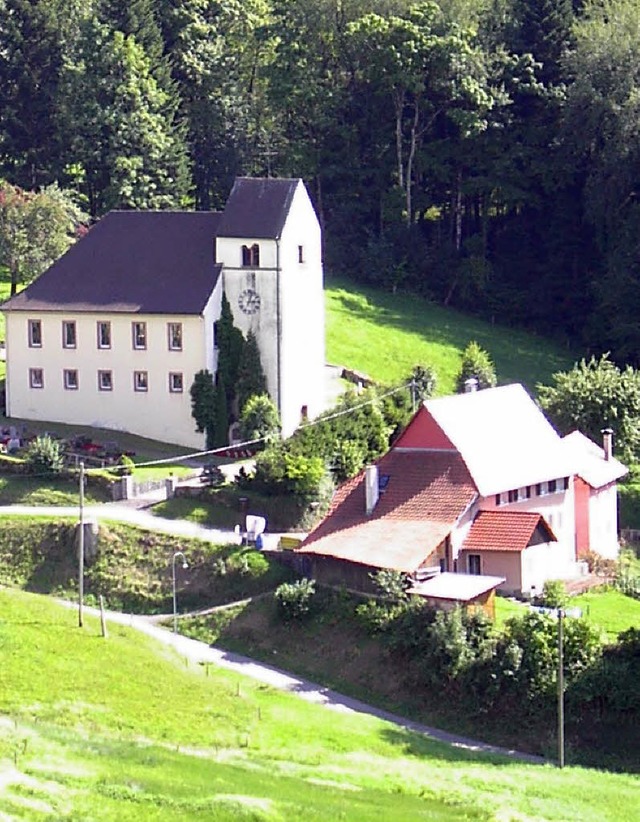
(157, 412)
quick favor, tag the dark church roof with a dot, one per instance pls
(257, 208)
(148, 262)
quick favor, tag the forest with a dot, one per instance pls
(482, 153)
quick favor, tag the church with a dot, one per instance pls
(113, 333)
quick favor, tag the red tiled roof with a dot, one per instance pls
(425, 495)
(505, 531)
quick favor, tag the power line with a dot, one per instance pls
(240, 445)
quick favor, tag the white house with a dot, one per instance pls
(113, 333)
(478, 483)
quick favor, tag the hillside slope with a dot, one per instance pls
(385, 335)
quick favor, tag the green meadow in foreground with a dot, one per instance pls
(123, 729)
(385, 335)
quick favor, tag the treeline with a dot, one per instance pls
(484, 153)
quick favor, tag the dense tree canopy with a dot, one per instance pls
(483, 153)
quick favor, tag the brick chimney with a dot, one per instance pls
(607, 442)
(371, 487)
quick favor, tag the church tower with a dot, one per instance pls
(269, 245)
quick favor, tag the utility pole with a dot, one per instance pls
(560, 689)
(81, 549)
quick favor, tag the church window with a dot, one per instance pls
(215, 336)
(251, 256)
(36, 378)
(70, 379)
(105, 381)
(174, 331)
(68, 334)
(35, 334)
(300, 253)
(175, 382)
(140, 381)
(139, 332)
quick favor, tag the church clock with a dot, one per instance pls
(249, 301)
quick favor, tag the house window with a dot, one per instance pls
(105, 381)
(140, 381)
(139, 332)
(565, 484)
(498, 499)
(539, 491)
(513, 496)
(300, 253)
(70, 376)
(104, 335)
(251, 256)
(68, 334)
(175, 382)
(551, 486)
(527, 492)
(174, 332)
(473, 564)
(36, 378)
(35, 333)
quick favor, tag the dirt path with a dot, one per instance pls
(201, 653)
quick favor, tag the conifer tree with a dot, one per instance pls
(251, 377)
(230, 345)
(477, 364)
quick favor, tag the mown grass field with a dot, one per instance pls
(609, 610)
(385, 335)
(122, 729)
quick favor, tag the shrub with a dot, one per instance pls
(260, 419)
(44, 455)
(477, 363)
(125, 466)
(294, 599)
(391, 584)
(554, 594)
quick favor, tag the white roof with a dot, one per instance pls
(503, 437)
(458, 587)
(590, 463)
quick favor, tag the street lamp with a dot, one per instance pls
(175, 605)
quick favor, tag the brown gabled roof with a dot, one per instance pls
(424, 496)
(507, 531)
(147, 262)
(257, 208)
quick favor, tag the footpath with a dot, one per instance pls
(200, 653)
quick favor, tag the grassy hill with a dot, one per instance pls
(385, 335)
(121, 729)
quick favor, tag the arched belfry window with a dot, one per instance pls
(251, 256)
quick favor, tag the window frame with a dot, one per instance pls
(32, 381)
(471, 559)
(100, 324)
(172, 384)
(69, 340)
(136, 326)
(69, 384)
(101, 384)
(31, 326)
(171, 329)
(139, 386)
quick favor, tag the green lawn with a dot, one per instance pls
(200, 511)
(385, 335)
(609, 610)
(99, 738)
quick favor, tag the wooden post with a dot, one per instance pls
(81, 549)
(103, 619)
(560, 689)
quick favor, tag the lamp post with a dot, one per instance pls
(81, 549)
(175, 604)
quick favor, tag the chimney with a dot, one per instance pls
(470, 385)
(607, 442)
(371, 489)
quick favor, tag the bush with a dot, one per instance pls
(391, 584)
(294, 599)
(44, 455)
(125, 466)
(476, 363)
(554, 594)
(260, 419)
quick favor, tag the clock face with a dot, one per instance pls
(249, 301)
